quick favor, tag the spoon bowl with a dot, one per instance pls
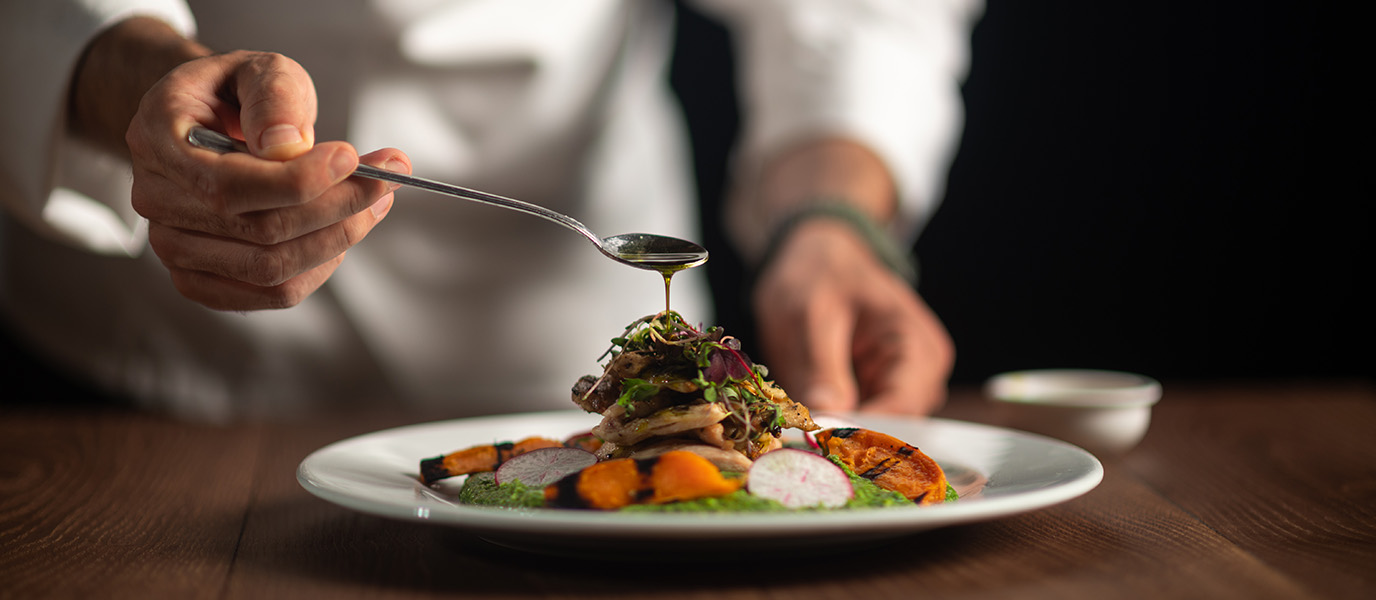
(640, 250)
(655, 252)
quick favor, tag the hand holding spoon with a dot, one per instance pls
(641, 250)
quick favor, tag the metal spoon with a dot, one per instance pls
(641, 250)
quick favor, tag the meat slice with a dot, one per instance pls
(596, 394)
(795, 415)
(669, 421)
(715, 435)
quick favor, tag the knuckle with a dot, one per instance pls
(133, 138)
(210, 190)
(266, 228)
(266, 62)
(351, 233)
(265, 267)
(140, 199)
(274, 75)
(285, 295)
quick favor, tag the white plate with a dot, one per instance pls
(1000, 472)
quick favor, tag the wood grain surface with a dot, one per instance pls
(1239, 491)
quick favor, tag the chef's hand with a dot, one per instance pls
(839, 330)
(843, 332)
(236, 231)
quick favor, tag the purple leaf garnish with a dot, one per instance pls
(728, 363)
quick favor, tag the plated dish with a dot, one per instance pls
(998, 473)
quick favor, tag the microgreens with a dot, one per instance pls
(724, 373)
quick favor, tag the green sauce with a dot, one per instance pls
(737, 501)
(482, 489)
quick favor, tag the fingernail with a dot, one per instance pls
(279, 135)
(382, 206)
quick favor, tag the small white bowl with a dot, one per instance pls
(1104, 412)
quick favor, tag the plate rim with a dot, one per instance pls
(442, 511)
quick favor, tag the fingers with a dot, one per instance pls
(843, 333)
(257, 201)
(805, 327)
(903, 359)
(233, 187)
(236, 231)
(271, 258)
(820, 365)
(221, 293)
(265, 98)
(258, 264)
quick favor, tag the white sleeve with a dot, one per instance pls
(884, 72)
(48, 182)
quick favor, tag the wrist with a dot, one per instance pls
(880, 243)
(831, 171)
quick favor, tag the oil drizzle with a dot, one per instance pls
(667, 263)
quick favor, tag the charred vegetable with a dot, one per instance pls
(616, 483)
(887, 461)
(479, 459)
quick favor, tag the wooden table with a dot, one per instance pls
(1240, 490)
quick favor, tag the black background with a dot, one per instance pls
(1172, 190)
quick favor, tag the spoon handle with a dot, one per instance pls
(219, 142)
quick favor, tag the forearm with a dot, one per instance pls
(118, 67)
(832, 169)
(826, 171)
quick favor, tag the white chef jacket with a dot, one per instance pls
(447, 303)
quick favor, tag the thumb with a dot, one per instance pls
(277, 106)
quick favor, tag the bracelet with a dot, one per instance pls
(899, 260)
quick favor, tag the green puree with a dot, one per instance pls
(482, 489)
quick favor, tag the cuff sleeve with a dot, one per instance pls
(48, 181)
(885, 73)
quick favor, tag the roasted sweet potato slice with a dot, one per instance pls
(669, 477)
(479, 459)
(683, 475)
(887, 461)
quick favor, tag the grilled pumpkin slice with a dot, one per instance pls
(670, 477)
(889, 462)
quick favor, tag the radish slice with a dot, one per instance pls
(539, 468)
(799, 479)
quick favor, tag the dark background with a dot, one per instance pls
(1180, 191)
(1172, 190)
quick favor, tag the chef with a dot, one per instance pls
(218, 286)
